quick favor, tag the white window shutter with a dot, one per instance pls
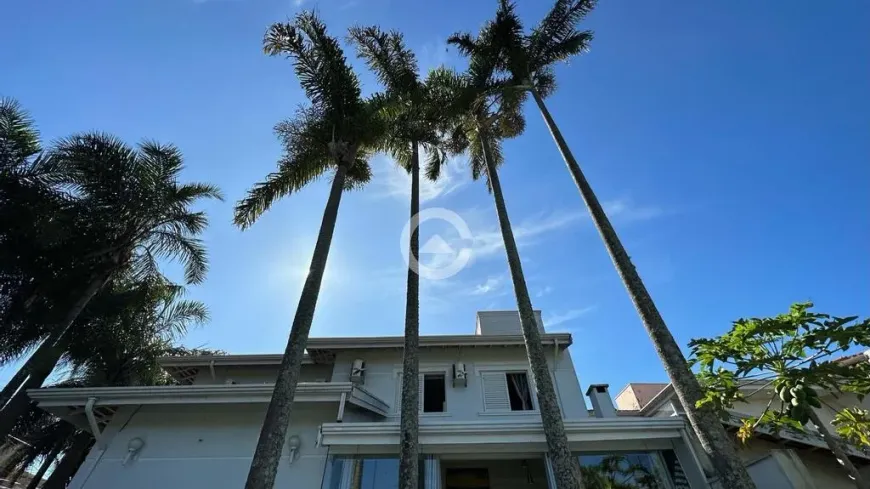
(420, 394)
(495, 394)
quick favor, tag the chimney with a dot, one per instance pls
(601, 403)
(494, 323)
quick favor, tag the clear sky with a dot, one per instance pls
(730, 141)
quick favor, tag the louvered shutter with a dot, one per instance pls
(419, 394)
(495, 393)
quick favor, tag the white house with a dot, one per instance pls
(785, 460)
(479, 424)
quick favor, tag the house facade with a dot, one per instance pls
(785, 460)
(479, 421)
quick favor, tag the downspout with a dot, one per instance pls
(92, 420)
(211, 369)
(555, 381)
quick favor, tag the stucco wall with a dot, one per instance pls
(212, 445)
(463, 403)
(822, 467)
(200, 446)
(260, 374)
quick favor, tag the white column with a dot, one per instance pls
(431, 472)
(551, 476)
(689, 462)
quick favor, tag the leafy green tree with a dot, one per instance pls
(529, 60)
(853, 425)
(786, 359)
(335, 134)
(133, 212)
(484, 115)
(412, 122)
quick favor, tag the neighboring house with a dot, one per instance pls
(787, 460)
(479, 423)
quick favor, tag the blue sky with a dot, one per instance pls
(728, 140)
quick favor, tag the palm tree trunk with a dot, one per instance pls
(45, 352)
(708, 427)
(837, 446)
(44, 360)
(566, 467)
(46, 463)
(264, 465)
(70, 462)
(409, 450)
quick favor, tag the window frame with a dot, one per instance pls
(446, 370)
(508, 368)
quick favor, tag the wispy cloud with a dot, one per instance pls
(543, 291)
(490, 242)
(396, 182)
(567, 316)
(490, 286)
(298, 3)
(625, 210)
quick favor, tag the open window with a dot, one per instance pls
(434, 393)
(519, 393)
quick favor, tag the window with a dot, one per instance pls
(639, 469)
(431, 392)
(506, 391)
(518, 391)
(434, 393)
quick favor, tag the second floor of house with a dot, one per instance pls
(479, 376)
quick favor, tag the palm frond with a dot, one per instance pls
(178, 316)
(19, 138)
(387, 56)
(292, 176)
(189, 251)
(319, 63)
(556, 37)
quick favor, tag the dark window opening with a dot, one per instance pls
(434, 393)
(518, 391)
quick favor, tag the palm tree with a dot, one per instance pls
(485, 115)
(337, 131)
(529, 59)
(412, 121)
(135, 213)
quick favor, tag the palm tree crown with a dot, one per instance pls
(339, 127)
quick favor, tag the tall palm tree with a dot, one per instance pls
(337, 131)
(485, 115)
(412, 122)
(529, 59)
(135, 213)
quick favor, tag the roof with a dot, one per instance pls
(643, 392)
(322, 350)
(70, 402)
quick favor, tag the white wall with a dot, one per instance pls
(463, 403)
(201, 446)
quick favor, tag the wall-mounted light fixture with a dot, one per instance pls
(293, 444)
(134, 446)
